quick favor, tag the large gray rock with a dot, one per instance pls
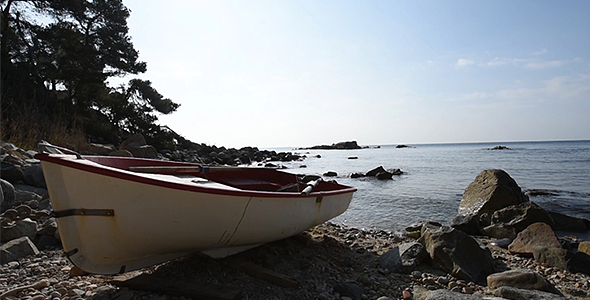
(100, 149)
(31, 153)
(449, 295)
(21, 228)
(537, 234)
(7, 146)
(45, 204)
(507, 292)
(554, 257)
(521, 279)
(403, 258)
(491, 190)
(381, 173)
(522, 215)
(391, 260)
(384, 175)
(564, 222)
(145, 151)
(11, 172)
(8, 195)
(121, 153)
(29, 188)
(44, 242)
(584, 247)
(34, 176)
(17, 249)
(509, 221)
(412, 254)
(137, 140)
(47, 227)
(578, 262)
(25, 196)
(18, 152)
(468, 224)
(500, 231)
(374, 172)
(137, 145)
(16, 160)
(349, 289)
(457, 253)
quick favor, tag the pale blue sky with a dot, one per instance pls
(302, 73)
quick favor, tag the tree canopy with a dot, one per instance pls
(56, 58)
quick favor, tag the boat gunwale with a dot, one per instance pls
(122, 174)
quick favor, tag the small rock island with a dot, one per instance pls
(350, 145)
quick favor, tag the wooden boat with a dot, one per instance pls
(118, 214)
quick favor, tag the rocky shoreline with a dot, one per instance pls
(327, 262)
(476, 258)
(136, 146)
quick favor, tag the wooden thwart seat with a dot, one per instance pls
(166, 169)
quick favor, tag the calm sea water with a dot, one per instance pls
(435, 176)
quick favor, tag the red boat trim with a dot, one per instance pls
(115, 173)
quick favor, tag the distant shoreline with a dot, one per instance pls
(375, 146)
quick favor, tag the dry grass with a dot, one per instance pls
(33, 126)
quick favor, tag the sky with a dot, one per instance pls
(303, 73)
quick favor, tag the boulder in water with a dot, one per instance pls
(564, 222)
(374, 172)
(491, 190)
(508, 221)
(330, 174)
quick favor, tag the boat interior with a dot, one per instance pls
(244, 178)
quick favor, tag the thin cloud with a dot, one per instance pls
(545, 64)
(495, 62)
(520, 93)
(540, 52)
(568, 87)
(471, 96)
(555, 89)
(520, 60)
(462, 62)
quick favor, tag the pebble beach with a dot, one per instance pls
(319, 259)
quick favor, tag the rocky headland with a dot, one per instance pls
(500, 246)
(349, 145)
(136, 146)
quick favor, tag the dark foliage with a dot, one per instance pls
(57, 55)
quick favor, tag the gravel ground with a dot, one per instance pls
(325, 262)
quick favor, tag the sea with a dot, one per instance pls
(436, 175)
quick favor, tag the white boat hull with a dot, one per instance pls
(151, 224)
